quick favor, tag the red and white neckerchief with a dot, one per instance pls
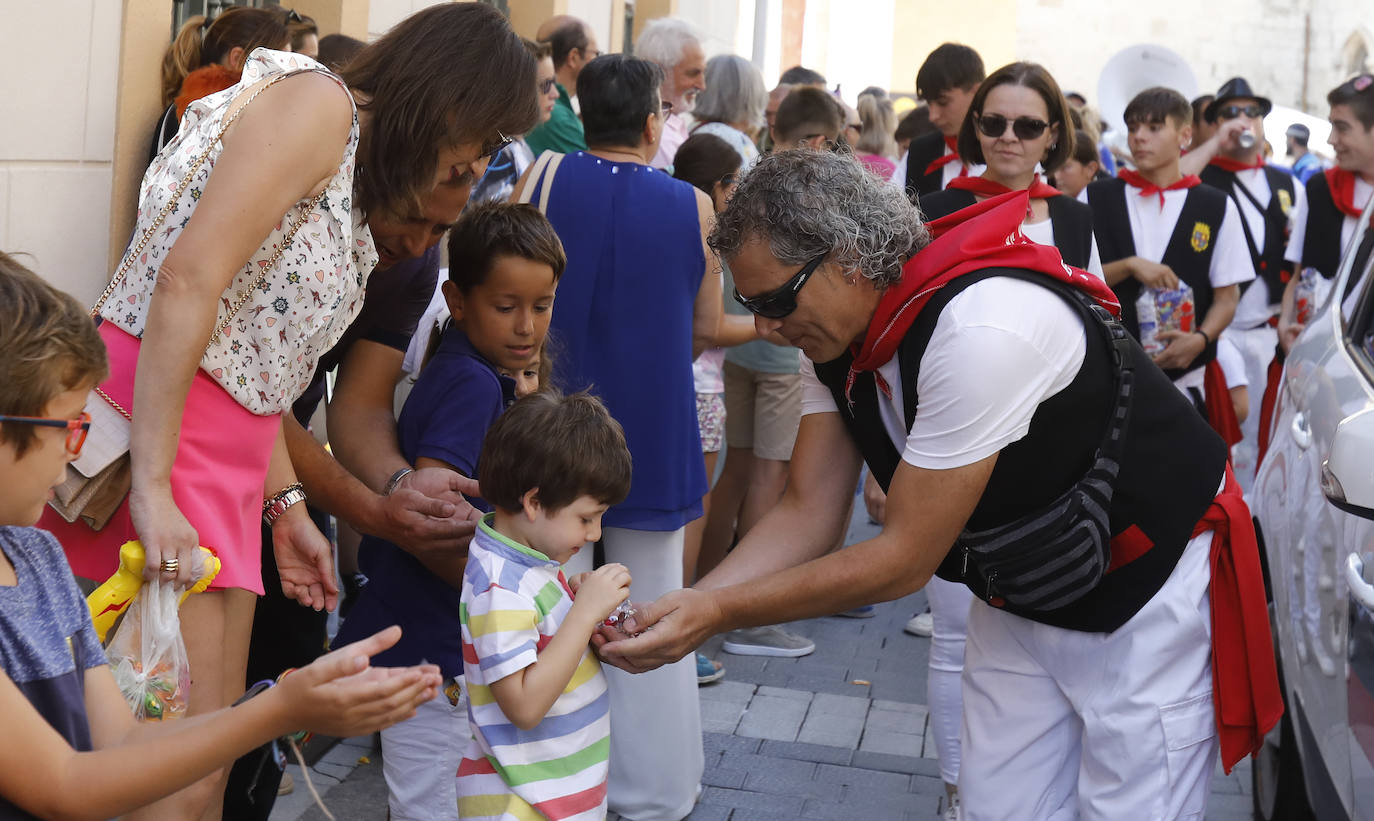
(1137, 180)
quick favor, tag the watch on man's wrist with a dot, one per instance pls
(395, 480)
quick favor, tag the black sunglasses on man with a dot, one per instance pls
(782, 300)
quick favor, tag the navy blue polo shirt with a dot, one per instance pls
(454, 402)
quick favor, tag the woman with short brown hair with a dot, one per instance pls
(248, 262)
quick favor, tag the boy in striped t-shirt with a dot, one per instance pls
(537, 700)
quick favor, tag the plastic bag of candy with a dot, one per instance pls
(148, 656)
(1159, 310)
(619, 615)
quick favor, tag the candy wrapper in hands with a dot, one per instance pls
(619, 615)
(148, 656)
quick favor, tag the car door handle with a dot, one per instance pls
(1361, 590)
(1302, 433)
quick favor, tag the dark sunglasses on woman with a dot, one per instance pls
(782, 300)
(995, 125)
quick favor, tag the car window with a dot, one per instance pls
(1358, 305)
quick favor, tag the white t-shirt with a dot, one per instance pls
(1043, 233)
(1254, 303)
(1298, 235)
(1152, 225)
(1000, 348)
(947, 173)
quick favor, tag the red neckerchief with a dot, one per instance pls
(1228, 164)
(1245, 683)
(984, 235)
(1039, 189)
(1221, 412)
(1342, 185)
(952, 143)
(1137, 180)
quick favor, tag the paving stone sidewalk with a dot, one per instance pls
(840, 734)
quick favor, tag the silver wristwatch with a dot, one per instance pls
(273, 508)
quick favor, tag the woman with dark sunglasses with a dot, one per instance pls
(235, 286)
(1019, 125)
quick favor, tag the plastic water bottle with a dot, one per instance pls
(1305, 295)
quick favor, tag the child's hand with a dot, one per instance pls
(602, 591)
(576, 581)
(342, 696)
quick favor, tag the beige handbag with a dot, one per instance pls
(546, 166)
(99, 479)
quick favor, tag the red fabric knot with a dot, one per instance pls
(1137, 180)
(984, 235)
(1342, 185)
(952, 143)
(1228, 164)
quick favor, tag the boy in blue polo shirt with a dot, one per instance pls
(504, 264)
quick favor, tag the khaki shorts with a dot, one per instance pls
(762, 411)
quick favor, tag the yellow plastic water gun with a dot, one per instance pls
(109, 599)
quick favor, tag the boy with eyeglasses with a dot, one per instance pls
(1156, 228)
(72, 748)
(1265, 198)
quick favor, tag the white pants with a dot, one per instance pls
(1061, 724)
(1256, 346)
(420, 760)
(656, 754)
(949, 606)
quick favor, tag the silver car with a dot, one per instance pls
(1313, 501)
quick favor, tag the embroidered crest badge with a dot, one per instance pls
(1285, 201)
(1202, 236)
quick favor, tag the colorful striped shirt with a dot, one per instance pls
(513, 601)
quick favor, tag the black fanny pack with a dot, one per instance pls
(1058, 554)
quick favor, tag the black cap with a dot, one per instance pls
(1234, 89)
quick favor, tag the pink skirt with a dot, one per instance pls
(217, 478)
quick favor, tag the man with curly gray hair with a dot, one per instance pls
(1017, 430)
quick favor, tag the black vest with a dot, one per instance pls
(1171, 466)
(1321, 244)
(1268, 260)
(1071, 219)
(1188, 252)
(923, 151)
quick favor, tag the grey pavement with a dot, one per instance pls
(839, 734)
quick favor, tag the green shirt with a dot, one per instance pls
(563, 131)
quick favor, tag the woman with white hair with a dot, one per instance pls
(732, 105)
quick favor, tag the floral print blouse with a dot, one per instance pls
(266, 357)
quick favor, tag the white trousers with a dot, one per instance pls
(656, 754)
(949, 606)
(1256, 346)
(420, 759)
(1062, 725)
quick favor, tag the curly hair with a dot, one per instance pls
(807, 202)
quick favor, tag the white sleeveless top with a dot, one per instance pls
(267, 356)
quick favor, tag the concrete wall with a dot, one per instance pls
(57, 144)
(1262, 40)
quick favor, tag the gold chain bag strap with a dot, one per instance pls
(99, 479)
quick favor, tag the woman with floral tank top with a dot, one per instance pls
(210, 341)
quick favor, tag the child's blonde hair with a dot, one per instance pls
(50, 346)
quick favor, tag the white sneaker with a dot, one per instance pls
(921, 624)
(767, 641)
(952, 810)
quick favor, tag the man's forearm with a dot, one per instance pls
(364, 442)
(327, 484)
(790, 534)
(1115, 272)
(1221, 312)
